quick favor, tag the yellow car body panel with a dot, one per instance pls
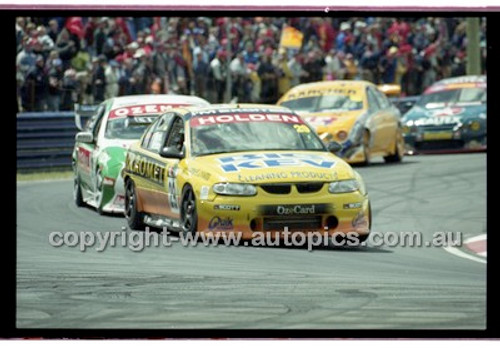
(308, 206)
(380, 123)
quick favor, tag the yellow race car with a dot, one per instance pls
(241, 168)
(353, 113)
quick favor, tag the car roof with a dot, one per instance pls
(140, 99)
(336, 83)
(463, 79)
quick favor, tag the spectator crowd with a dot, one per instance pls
(65, 60)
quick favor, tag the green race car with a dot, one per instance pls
(100, 147)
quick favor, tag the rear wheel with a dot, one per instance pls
(77, 192)
(189, 215)
(134, 218)
(399, 149)
(98, 190)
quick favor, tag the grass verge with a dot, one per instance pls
(44, 176)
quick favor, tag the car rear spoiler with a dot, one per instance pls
(85, 111)
(390, 89)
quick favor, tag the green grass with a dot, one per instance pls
(44, 176)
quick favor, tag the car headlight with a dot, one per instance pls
(474, 126)
(231, 189)
(343, 186)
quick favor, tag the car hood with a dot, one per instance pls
(321, 121)
(446, 115)
(270, 167)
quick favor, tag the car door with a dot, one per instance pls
(87, 151)
(375, 122)
(390, 119)
(156, 189)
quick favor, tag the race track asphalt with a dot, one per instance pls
(238, 287)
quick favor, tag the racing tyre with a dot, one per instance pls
(134, 218)
(366, 148)
(99, 193)
(77, 192)
(398, 151)
(189, 215)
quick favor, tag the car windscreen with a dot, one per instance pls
(237, 132)
(325, 102)
(453, 96)
(128, 127)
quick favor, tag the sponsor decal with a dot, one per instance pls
(83, 158)
(173, 197)
(199, 173)
(218, 223)
(323, 91)
(144, 167)
(447, 112)
(294, 209)
(244, 118)
(273, 160)
(231, 207)
(352, 205)
(317, 121)
(204, 192)
(139, 110)
(437, 121)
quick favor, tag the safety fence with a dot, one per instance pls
(45, 140)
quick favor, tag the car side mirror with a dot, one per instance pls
(171, 152)
(334, 147)
(84, 137)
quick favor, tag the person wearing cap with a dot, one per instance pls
(99, 79)
(388, 64)
(36, 86)
(44, 39)
(56, 75)
(345, 29)
(112, 75)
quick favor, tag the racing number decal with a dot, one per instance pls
(301, 128)
(173, 197)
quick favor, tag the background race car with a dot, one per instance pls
(354, 113)
(450, 115)
(241, 168)
(99, 152)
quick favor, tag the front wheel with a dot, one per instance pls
(189, 215)
(366, 148)
(399, 149)
(134, 218)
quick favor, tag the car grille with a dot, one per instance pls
(281, 189)
(309, 187)
(293, 223)
(434, 128)
(284, 189)
(439, 145)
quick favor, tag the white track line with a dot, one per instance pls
(475, 239)
(460, 253)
